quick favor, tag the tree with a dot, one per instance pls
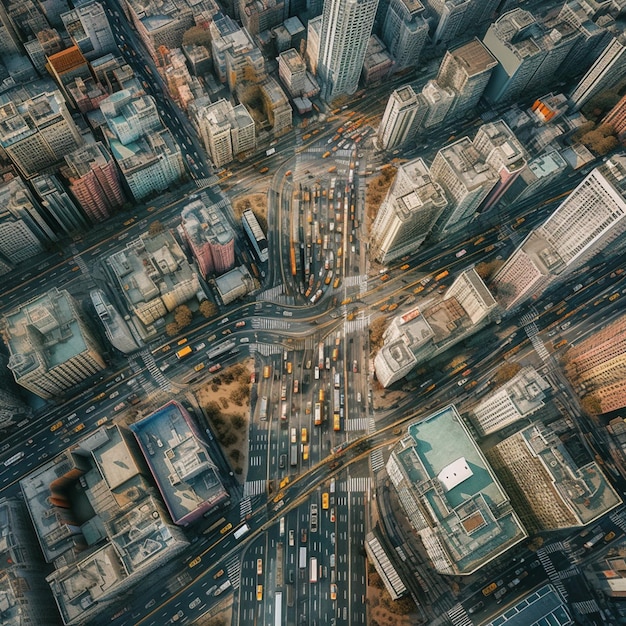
(591, 405)
(183, 315)
(155, 228)
(207, 309)
(487, 270)
(199, 36)
(505, 372)
(172, 329)
(377, 328)
(600, 140)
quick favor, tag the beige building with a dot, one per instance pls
(591, 217)
(409, 211)
(226, 131)
(52, 348)
(36, 133)
(154, 277)
(277, 107)
(597, 365)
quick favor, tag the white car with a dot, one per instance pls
(462, 382)
(194, 603)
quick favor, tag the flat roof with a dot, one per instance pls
(472, 521)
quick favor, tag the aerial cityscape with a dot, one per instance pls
(312, 312)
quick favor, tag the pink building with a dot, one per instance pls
(94, 181)
(209, 236)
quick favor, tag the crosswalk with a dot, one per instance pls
(264, 323)
(619, 519)
(233, 569)
(265, 349)
(532, 331)
(253, 488)
(256, 461)
(553, 575)
(359, 483)
(360, 323)
(354, 281)
(245, 508)
(458, 616)
(201, 183)
(377, 460)
(586, 607)
(272, 294)
(357, 423)
(157, 374)
(371, 425)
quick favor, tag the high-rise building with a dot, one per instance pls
(94, 181)
(9, 38)
(403, 116)
(276, 106)
(598, 365)
(130, 116)
(411, 207)
(616, 118)
(439, 101)
(313, 36)
(47, 43)
(292, 72)
(150, 164)
(89, 29)
(450, 17)
(504, 153)
(209, 235)
(405, 32)
(466, 70)
(60, 210)
(25, 597)
(24, 228)
(592, 40)
(467, 180)
(607, 70)
(540, 171)
(346, 27)
(52, 349)
(38, 132)
(592, 216)
(225, 130)
(528, 54)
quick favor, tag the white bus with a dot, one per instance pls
(313, 570)
(282, 526)
(241, 531)
(14, 459)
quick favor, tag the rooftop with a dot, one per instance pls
(204, 222)
(474, 57)
(467, 163)
(180, 462)
(67, 59)
(451, 495)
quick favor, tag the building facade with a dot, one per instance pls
(405, 32)
(402, 118)
(344, 35)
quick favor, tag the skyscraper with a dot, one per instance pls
(405, 32)
(608, 69)
(413, 204)
(466, 178)
(528, 53)
(592, 216)
(403, 115)
(466, 70)
(346, 27)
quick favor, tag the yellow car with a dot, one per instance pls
(226, 528)
(78, 428)
(56, 426)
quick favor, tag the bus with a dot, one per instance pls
(296, 385)
(282, 527)
(320, 395)
(293, 436)
(337, 380)
(313, 570)
(305, 452)
(241, 531)
(293, 455)
(320, 349)
(263, 409)
(283, 412)
(325, 500)
(14, 459)
(290, 596)
(302, 558)
(187, 350)
(442, 275)
(318, 414)
(304, 436)
(267, 371)
(278, 608)
(336, 422)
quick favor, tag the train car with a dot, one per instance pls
(255, 234)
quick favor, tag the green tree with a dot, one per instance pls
(591, 405)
